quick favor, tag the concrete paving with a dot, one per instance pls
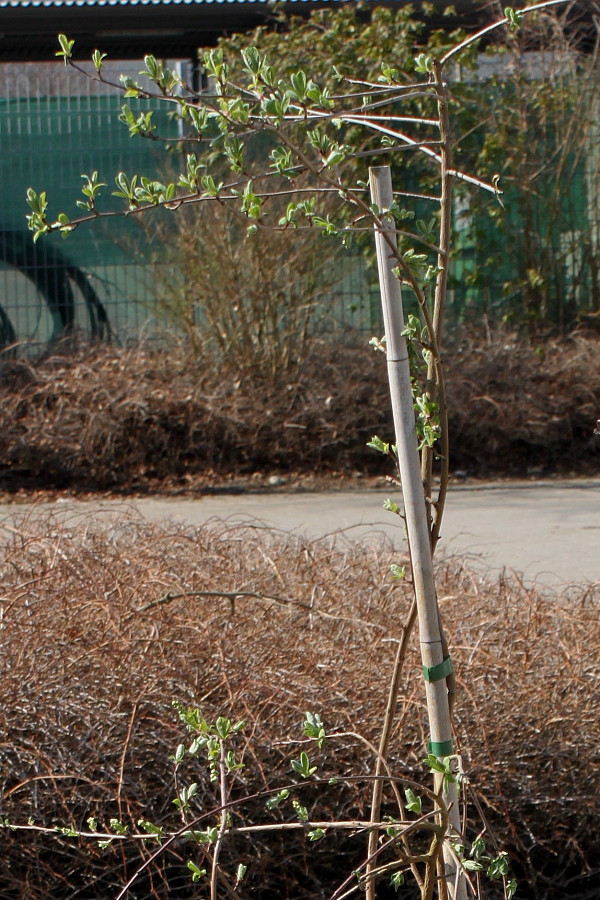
(547, 531)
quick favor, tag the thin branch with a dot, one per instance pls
(422, 145)
(439, 809)
(386, 733)
(223, 823)
(394, 88)
(434, 368)
(232, 596)
(488, 28)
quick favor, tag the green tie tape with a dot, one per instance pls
(436, 673)
(440, 748)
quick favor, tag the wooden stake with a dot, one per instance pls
(414, 499)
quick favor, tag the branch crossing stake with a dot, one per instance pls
(414, 507)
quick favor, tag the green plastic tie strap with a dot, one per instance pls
(440, 748)
(436, 673)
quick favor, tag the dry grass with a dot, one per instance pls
(89, 670)
(514, 408)
(115, 419)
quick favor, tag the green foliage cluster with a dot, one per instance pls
(213, 755)
(314, 651)
(534, 261)
(267, 129)
(386, 46)
(345, 40)
(258, 142)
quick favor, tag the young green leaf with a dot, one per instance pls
(377, 444)
(442, 766)
(251, 204)
(397, 880)
(67, 830)
(98, 59)
(223, 727)
(230, 762)
(423, 63)
(209, 188)
(154, 831)
(471, 865)
(273, 802)
(413, 803)
(498, 867)
(477, 847)
(66, 48)
(201, 837)
(301, 811)
(37, 202)
(197, 873)
(510, 888)
(302, 766)
(514, 17)
(313, 727)
(252, 60)
(132, 88)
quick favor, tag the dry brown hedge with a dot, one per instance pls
(90, 663)
(127, 419)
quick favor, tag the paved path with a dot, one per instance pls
(548, 531)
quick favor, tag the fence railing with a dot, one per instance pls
(56, 126)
